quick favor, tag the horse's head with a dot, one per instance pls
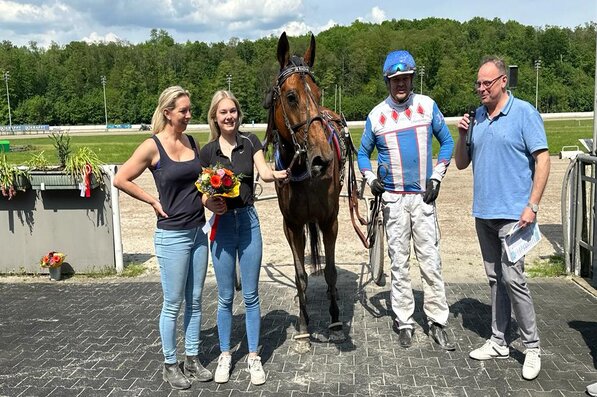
(296, 113)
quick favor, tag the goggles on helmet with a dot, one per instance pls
(398, 69)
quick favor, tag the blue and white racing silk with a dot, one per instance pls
(402, 134)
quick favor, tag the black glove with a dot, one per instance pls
(377, 188)
(431, 191)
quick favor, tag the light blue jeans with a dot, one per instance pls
(238, 233)
(182, 256)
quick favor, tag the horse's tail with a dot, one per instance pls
(314, 245)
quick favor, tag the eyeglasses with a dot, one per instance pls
(487, 83)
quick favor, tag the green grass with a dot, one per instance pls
(553, 266)
(115, 149)
(559, 133)
(132, 269)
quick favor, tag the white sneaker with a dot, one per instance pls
(532, 363)
(592, 389)
(490, 350)
(256, 370)
(223, 370)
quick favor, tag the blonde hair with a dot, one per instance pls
(167, 101)
(213, 109)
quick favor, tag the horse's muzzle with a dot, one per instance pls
(319, 166)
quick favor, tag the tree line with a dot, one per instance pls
(62, 84)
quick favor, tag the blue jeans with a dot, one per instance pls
(238, 233)
(182, 256)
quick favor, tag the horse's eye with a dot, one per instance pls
(292, 98)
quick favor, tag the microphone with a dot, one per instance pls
(471, 121)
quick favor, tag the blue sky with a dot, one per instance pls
(63, 21)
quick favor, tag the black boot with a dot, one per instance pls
(440, 336)
(405, 337)
(194, 369)
(174, 376)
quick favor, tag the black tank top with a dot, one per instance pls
(175, 182)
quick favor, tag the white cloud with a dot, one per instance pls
(97, 38)
(297, 28)
(378, 15)
(250, 9)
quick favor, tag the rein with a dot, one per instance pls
(352, 190)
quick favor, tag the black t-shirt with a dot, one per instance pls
(241, 162)
(175, 182)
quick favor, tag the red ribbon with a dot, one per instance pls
(87, 179)
(214, 227)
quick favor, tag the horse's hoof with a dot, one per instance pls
(302, 345)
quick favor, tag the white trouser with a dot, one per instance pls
(407, 216)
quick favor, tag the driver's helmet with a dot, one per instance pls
(397, 63)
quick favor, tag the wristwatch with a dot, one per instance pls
(533, 206)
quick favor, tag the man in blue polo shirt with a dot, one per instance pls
(508, 149)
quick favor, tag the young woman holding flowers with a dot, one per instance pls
(237, 233)
(180, 244)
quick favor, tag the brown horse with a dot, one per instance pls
(308, 141)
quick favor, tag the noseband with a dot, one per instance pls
(300, 145)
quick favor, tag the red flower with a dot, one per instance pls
(227, 181)
(215, 181)
(56, 258)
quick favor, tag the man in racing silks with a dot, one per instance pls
(401, 128)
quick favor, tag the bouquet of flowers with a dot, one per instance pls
(219, 181)
(52, 259)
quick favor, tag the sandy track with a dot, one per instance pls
(460, 251)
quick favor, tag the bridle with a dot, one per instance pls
(297, 66)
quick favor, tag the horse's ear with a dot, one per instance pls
(309, 56)
(283, 50)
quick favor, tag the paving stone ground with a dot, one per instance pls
(101, 339)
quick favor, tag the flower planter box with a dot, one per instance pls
(22, 183)
(57, 180)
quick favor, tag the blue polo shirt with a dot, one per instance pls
(501, 154)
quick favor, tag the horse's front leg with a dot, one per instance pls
(330, 233)
(296, 238)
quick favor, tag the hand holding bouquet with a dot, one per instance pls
(52, 260)
(219, 181)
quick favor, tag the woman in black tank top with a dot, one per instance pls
(180, 244)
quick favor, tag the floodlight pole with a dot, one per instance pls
(6, 78)
(105, 103)
(537, 67)
(229, 79)
(422, 73)
(595, 112)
